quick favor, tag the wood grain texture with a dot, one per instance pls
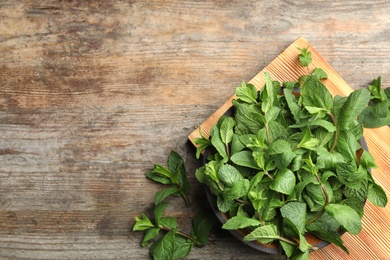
(93, 93)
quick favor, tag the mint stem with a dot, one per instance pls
(326, 203)
(193, 240)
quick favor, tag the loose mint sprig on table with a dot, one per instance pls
(286, 164)
(162, 232)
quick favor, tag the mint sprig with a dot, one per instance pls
(161, 232)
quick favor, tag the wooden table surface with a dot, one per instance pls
(93, 93)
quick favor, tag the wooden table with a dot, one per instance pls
(93, 93)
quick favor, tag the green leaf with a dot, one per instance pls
(179, 176)
(150, 234)
(327, 160)
(304, 56)
(346, 216)
(224, 204)
(284, 182)
(160, 174)
(355, 204)
(248, 117)
(269, 95)
(181, 247)
(236, 145)
(276, 131)
(202, 143)
(330, 236)
(170, 246)
(226, 130)
(245, 158)
(164, 193)
(288, 248)
(264, 234)
(217, 142)
(319, 73)
(375, 88)
(159, 210)
(358, 193)
(296, 213)
(314, 94)
(202, 224)
(347, 146)
(308, 141)
(376, 195)
(229, 175)
(167, 222)
(238, 190)
(247, 93)
(369, 117)
(354, 105)
(349, 175)
(239, 222)
(279, 147)
(292, 104)
(314, 197)
(142, 223)
(175, 162)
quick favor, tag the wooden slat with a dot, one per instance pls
(374, 240)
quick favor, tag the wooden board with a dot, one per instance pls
(374, 240)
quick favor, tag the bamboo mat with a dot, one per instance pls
(373, 242)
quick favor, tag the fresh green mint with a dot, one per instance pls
(162, 232)
(286, 164)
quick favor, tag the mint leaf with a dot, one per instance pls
(326, 229)
(226, 130)
(347, 146)
(202, 143)
(216, 141)
(354, 105)
(292, 104)
(288, 248)
(239, 222)
(181, 247)
(284, 182)
(224, 204)
(375, 88)
(159, 210)
(369, 117)
(167, 222)
(245, 158)
(150, 234)
(247, 93)
(248, 117)
(316, 96)
(142, 223)
(314, 197)
(238, 190)
(202, 224)
(164, 247)
(264, 234)
(319, 73)
(304, 56)
(163, 194)
(346, 216)
(229, 175)
(376, 195)
(296, 213)
(160, 174)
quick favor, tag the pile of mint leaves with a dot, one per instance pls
(288, 162)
